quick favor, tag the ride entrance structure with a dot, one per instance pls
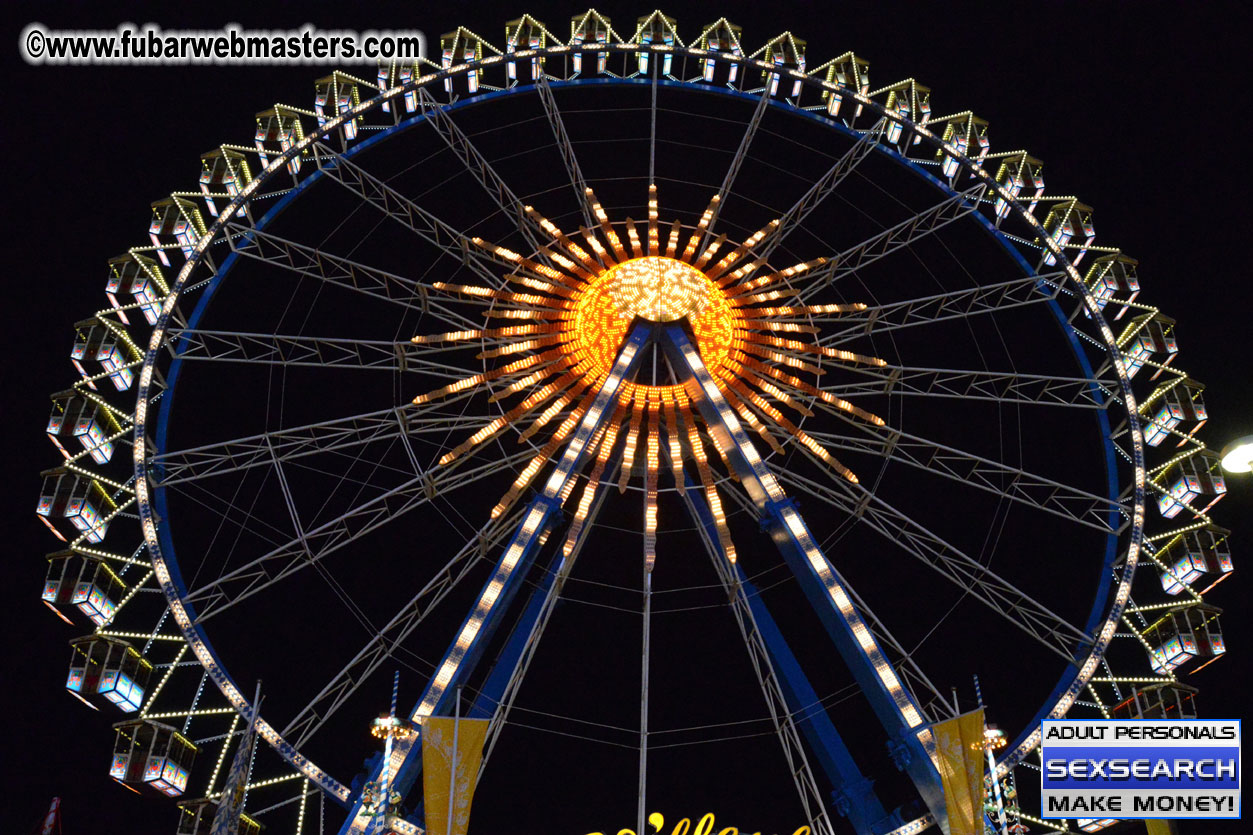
(698, 360)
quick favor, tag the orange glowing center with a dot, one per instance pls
(658, 289)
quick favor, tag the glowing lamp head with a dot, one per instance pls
(1238, 455)
(658, 289)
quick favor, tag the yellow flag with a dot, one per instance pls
(439, 736)
(1159, 827)
(959, 743)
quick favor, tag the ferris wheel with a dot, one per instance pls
(666, 349)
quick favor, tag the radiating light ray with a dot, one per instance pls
(524, 313)
(574, 268)
(740, 251)
(494, 426)
(752, 420)
(499, 295)
(780, 357)
(710, 251)
(672, 243)
(519, 347)
(712, 498)
(768, 296)
(601, 253)
(771, 278)
(805, 347)
(491, 333)
(801, 311)
(778, 417)
(605, 226)
(605, 449)
(652, 429)
(654, 245)
(574, 300)
(555, 408)
(672, 437)
(701, 226)
(542, 284)
(560, 363)
(634, 238)
(537, 463)
(632, 440)
(777, 327)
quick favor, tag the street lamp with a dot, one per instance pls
(1238, 455)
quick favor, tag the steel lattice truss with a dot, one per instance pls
(107, 506)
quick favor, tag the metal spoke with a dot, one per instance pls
(940, 307)
(1027, 488)
(781, 716)
(965, 572)
(737, 161)
(385, 642)
(236, 586)
(332, 436)
(343, 272)
(970, 384)
(821, 189)
(313, 351)
(479, 167)
(565, 566)
(897, 237)
(407, 213)
(566, 149)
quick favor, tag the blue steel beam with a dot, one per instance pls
(853, 793)
(910, 738)
(463, 654)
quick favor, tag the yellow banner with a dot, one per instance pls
(959, 743)
(440, 735)
(1159, 827)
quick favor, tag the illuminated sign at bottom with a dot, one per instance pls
(1121, 769)
(704, 826)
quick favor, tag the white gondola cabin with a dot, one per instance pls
(1168, 700)
(522, 35)
(77, 421)
(101, 350)
(1149, 338)
(787, 53)
(1189, 636)
(652, 29)
(148, 753)
(589, 28)
(177, 218)
(108, 671)
(1196, 481)
(71, 504)
(135, 278)
(335, 95)
(196, 818)
(461, 47)
(1199, 559)
(722, 36)
(81, 585)
(1179, 408)
(222, 169)
(1113, 279)
(278, 131)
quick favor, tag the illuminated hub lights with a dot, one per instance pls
(570, 324)
(657, 288)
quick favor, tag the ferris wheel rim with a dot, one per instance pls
(332, 125)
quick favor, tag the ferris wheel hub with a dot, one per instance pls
(658, 289)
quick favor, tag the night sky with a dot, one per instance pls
(1137, 108)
